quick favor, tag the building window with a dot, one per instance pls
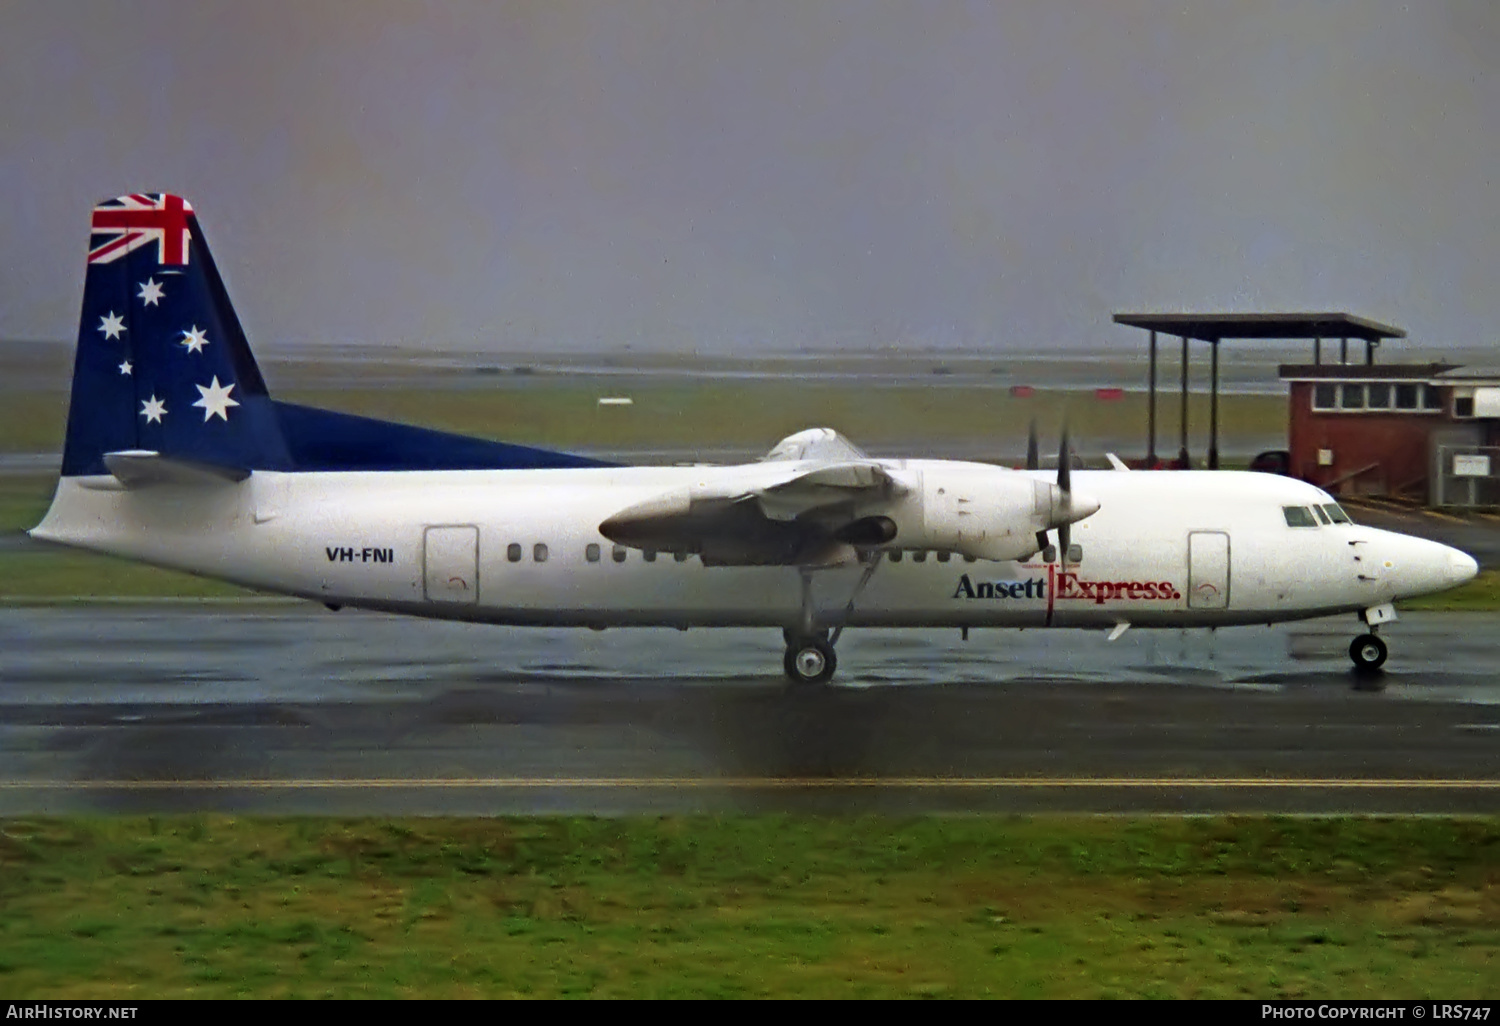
(1406, 397)
(1298, 516)
(1378, 396)
(618, 554)
(1432, 399)
(1351, 397)
(1325, 397)
(539, 552)
(1463, 406)
(513, 552)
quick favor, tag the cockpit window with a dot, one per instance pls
(1336, 513)
(1321, 515)
(1298, 516)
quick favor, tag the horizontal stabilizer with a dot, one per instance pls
(138, 468)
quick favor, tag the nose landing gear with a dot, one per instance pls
(1368, 653)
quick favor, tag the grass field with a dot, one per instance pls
(750, 907)
(712, 414)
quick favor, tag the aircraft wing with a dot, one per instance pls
(777, 512)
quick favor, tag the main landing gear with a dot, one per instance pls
(1368, 653)
(809, 657)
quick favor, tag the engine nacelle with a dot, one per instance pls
(985, 512)
(988, 513)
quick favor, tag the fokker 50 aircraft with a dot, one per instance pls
(177, 455)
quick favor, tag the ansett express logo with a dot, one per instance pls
(1065, 586)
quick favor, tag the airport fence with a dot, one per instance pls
(1467, 475)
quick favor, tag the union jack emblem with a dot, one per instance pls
(130, 222)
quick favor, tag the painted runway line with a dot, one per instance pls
(752, 783)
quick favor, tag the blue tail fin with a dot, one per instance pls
(162, 361)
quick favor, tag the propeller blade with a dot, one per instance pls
(1064, 467)
(1033, 449)
(1065, 486)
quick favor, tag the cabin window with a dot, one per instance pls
(1378, 396)
(971, 559)
(944, 556)
(1352, 397)
(919, 556)
(591, 552)
(649, 555)
(681, 557)
(895, 555)
(618, 554)
(1336, 513)
(1325, 397)
(1406, 397)
(513, 552)
(1049, 554)
(1298, 516)
(539, 552)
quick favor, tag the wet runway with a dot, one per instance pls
(287, 708)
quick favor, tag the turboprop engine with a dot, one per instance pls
(990, 513)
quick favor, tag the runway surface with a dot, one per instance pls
(288, 708)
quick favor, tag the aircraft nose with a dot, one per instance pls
(1461, 567)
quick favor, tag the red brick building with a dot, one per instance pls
(1365, 429)
(1395, 429)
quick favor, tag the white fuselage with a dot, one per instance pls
(1164, 549)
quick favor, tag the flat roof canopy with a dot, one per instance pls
(1217, 326)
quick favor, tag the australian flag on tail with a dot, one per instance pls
(163, 366)
(162, 361)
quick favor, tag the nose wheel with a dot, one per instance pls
(1368, 653)
(809, 660)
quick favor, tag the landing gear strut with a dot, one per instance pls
(1368, 653)
(809, 655)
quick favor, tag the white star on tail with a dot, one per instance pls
(126, 367)
(194, 340)
(112, 325)
(153, 410)
(215, 400)
(151, 292)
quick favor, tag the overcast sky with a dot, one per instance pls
(743, 177)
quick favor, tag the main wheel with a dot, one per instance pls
(809, 661)
(1368, 652)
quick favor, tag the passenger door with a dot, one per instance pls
(1208, 570)
(450, 560)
